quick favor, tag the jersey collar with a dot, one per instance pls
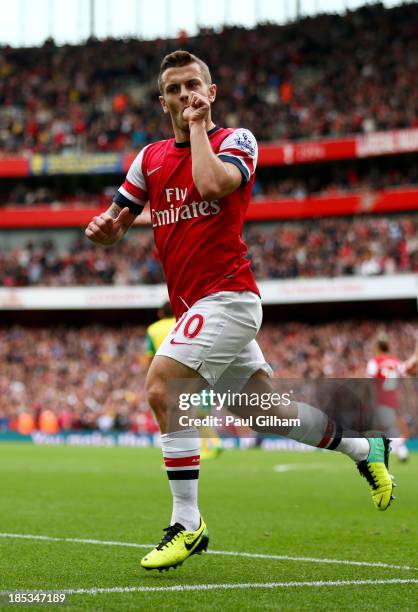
(183, 145)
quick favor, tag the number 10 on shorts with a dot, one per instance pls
(190, 326)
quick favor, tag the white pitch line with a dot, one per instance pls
(223, 586)
(282, 468)
(313, 559)
(230, 553)
(24, 536)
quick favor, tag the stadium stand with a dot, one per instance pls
(332, 179)
(67, 370)
(286, 82)
(363, 246)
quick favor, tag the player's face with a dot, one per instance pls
(178, 85)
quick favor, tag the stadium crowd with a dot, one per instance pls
(55, 197)
(316, 247)
(93, 377)
(82, 263)
(326, 75)
(331, 179)
(83, 379)
(336, 180)
(362, 246)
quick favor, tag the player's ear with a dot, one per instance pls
(212, 93)
(163, 104)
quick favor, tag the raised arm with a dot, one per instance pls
(213, 178)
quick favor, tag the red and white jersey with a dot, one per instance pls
(199, 242)
(387, 369)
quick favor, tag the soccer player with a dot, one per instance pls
(158, 331)
(198, 185)
(211, 444)
(387, 369)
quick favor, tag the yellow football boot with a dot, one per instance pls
(375, 470)
(176, 546)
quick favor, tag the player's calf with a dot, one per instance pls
(315, 428)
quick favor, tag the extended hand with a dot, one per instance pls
(198, 109)
(106, 230)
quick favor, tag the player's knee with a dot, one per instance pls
(157, 400)
(157, 394)
(260, 382)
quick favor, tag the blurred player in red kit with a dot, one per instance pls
(199, 185)
(387, 369)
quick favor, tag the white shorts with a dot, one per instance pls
(216, 337)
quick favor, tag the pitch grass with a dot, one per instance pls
(320, 507)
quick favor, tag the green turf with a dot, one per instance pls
(322, 509)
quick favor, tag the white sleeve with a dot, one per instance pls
(133, 192)
(240, 148)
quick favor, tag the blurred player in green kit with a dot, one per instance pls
(156, 334)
